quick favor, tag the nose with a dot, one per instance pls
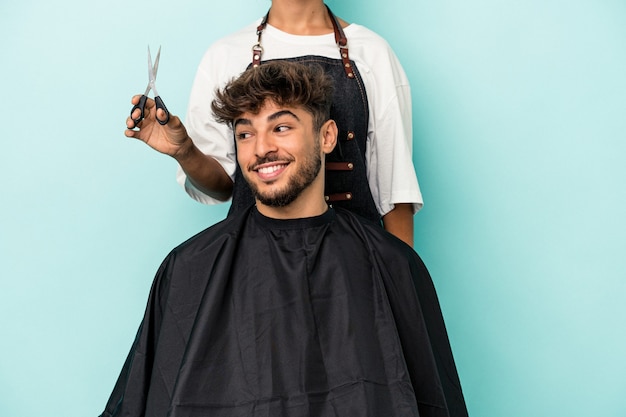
(264, 144)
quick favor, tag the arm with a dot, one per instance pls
(172, 139)
(399, 222)
(205, 173)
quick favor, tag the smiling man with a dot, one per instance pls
(282, 157)
(280, 119)
(291, 308)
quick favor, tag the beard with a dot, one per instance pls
(296, 184)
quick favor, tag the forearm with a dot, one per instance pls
(205, 172)
(399, 222)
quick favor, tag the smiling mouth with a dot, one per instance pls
(270, 170)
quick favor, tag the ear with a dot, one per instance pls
(328, 134)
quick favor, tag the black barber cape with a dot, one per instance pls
(315, 317)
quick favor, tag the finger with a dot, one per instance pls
(135, 99)
(130, 123)
(136, 114)
(161, 115)
(131, 128)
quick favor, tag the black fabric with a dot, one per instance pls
(351, 113)
(328, 316)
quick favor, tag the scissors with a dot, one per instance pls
(152, 71)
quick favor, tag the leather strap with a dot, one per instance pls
(338, 197)
(257, 49)
(342, 43)
(339, 166)
(340, 39)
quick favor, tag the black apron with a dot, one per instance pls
(346, 183)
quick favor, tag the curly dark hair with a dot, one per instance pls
(286, 83)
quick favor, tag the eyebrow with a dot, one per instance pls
(238, 122)
(280, 113)
(270, 118)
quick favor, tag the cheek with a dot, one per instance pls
(244, 152)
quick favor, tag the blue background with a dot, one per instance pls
(519, 144)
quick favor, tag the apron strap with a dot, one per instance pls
(257, 49)
(342, 44)
(340, 39)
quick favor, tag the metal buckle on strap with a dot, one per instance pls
(257, 52)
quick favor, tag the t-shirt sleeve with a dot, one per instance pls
(391, 173)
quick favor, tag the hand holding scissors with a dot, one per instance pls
(152, 72)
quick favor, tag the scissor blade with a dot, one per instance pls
(152, 69)
(155, 68)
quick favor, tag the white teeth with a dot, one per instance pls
(270, 169)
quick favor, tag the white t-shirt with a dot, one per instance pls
(390, 170)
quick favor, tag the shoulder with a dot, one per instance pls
(230, 54)
(212, 239)
(373, 231)
(383, 247)
(373, 55)
(360, 34)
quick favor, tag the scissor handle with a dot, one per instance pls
(160, 105)
(141, 106)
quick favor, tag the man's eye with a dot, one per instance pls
(282, 128)
(242, 135)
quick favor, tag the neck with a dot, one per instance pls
(300, 17)
(310, 203)
(293, 211)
